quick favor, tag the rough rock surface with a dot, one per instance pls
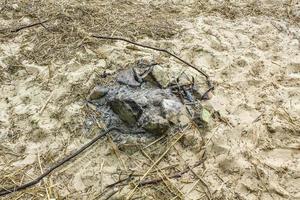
(155, 124)
(97, 93)
(129, 111)
(151, 109)
(127, 78)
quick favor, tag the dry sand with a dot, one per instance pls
(251, 50)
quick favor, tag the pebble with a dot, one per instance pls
(127, 78)
(98, 92)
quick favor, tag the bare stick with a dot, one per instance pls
(27, 26)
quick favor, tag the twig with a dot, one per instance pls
(156, 49)
(155, 163)
(40, 165)
(46, 103)
(163, 176)
(116, 151)
(30, 25)
(60, 163)
(155, 141)
(209, 195)
(101, 174)
(205, 95)
(110, 194)
(120, 181)
(192, 188)
(27, 26)
(176, 175)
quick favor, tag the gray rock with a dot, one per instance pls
(161, 76)
(98, 92)
(155, 124)
(170, 107)
(129, 111)
(127, 78)
(156, 96)
(151, 109)
(166, 75)
(183, 121)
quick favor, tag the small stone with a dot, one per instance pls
(127, 78)
(183, 121)
(161, 75)
(189, 140)
(203, 118)
(155, 124)
(205, 115)
(170, 107)
(97, 93)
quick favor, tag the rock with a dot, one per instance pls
(129, 111)
(151, 109)
(127, 78)
(183, 121)
(170, 107)
(161, 75)
(156, 96)
(155, 124)
(189, 140)
(98, 92)
(203, 118)
(166, 75)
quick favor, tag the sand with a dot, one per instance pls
(251, 52)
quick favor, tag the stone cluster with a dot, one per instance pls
(151, 107)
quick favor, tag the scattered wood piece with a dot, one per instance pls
(155, 141)
(153, 165)
(176, 175)
(163, 176)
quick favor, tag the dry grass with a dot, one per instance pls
(71, 22)
(285, 9)
(67, 31)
